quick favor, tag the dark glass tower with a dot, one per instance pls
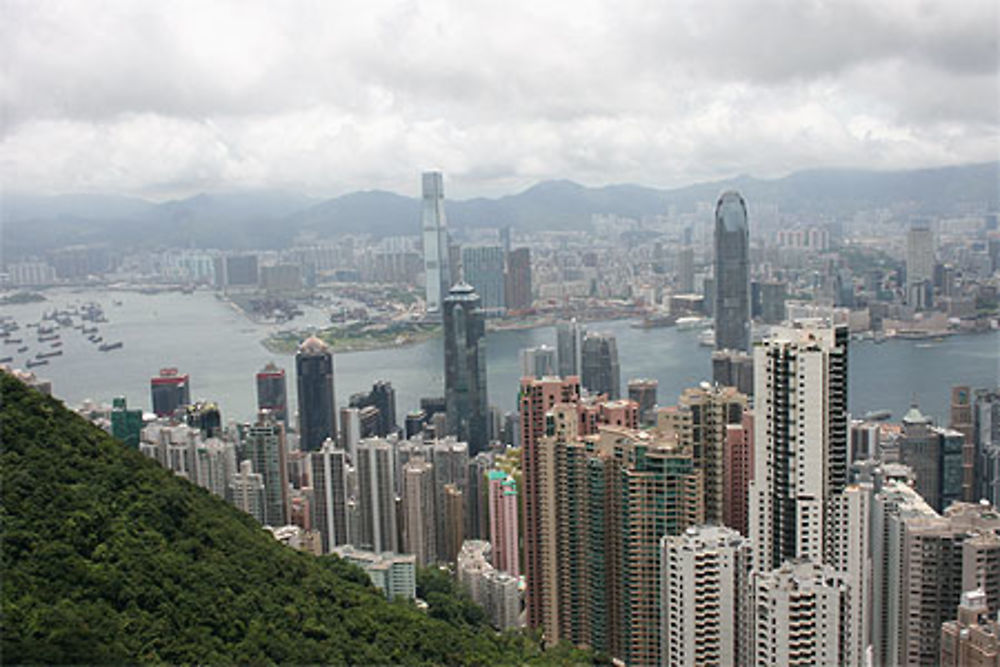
(465, 367)
(272, 392)
(732, 273)
(317, 406)
(170, 391)
(601, 373)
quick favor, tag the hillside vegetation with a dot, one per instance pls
(109, 558)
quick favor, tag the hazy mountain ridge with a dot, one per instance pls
(272, 219)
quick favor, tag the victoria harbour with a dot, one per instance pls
(221, 349)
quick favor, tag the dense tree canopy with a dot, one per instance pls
(107, 557)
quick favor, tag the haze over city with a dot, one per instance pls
(165, 100)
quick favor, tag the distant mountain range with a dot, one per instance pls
(272, 219)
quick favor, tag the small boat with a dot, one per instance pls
(22, 350)
(6, 360)
(707, 338)
(32, 364)
(58, 343)
(12, 341)
(107, 347)
(46, 355)
(46, 339)
(88, 330)
(96, 339)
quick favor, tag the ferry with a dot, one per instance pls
(691, 322)
(107, 347)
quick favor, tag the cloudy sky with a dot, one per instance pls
(168, 98)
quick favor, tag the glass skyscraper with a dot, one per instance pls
(465, 367)
(317, 406)
(732, 273)
(436, 260)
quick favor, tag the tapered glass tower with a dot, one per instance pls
(732, 273)
(435, 229)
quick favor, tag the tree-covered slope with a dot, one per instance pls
(109, 558)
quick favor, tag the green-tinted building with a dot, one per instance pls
(126, 425)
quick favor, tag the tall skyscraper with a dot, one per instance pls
(502, 492)
(317, 404)
(382, 397)
(435, 228)
(419, 536)
(961, 421)
(737, 471)
(329, 482)
(465, 367)
(569, 346)
(272, 391)
(685, 270)
(170, 390)
(265, 447)
(919, 264)
(732, 274)
(483, 268)
(800, 439)
(706, 575)
(376, 470)
(936, 457)
(518, 286)
(601, 373)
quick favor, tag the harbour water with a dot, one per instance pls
(220, 348)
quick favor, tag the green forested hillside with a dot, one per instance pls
(109, 558)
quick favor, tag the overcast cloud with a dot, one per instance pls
(170, 98)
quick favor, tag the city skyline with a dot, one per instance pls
(327, 101)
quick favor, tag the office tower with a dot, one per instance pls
(538, 362)
(961, 421)
(419, 536)
(607, 500)
(317, 403)
(800, 614)
(986, 425)
(454, 266)
(706, 617)
(495, 591)
(435, 229)
(772, 302)
(800, 440)
(973, 640)
(126, 424)
(350, 430)
(170, 390)
(204, 416)
(504, 233)
(643, 392)
(685, 270)
(414, 423)
(732, 368)
(454, 522)
(476, 501)
(601, 373)
(732, 274)
(569, 345)
(502, 490)
(700, 422)
(935, 455)
(329, 469)
(246, 492)
(380, 404)
(518, 280)
(393, 574)
(376, 469)
(866, 440)
(930, 560)
(737, 471)
(536, 399)
(920, 264)
(264, 446)
(272, 392)
(483, 268)
(465, 367)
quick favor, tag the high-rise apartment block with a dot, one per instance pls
(495, 591)
(502, 493)
(437, 273)
(600, 371)
(973, 640)
(737, 471)
(246, 492)
(706, 578)
(376, 470)
(732, 274)
(465, 367)
(419, 536)
(272, 392)
(700, 421)
(170, 391)
(394, 574)
(329, 468)
(264, 445)
(317, 403)
(800, 440)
